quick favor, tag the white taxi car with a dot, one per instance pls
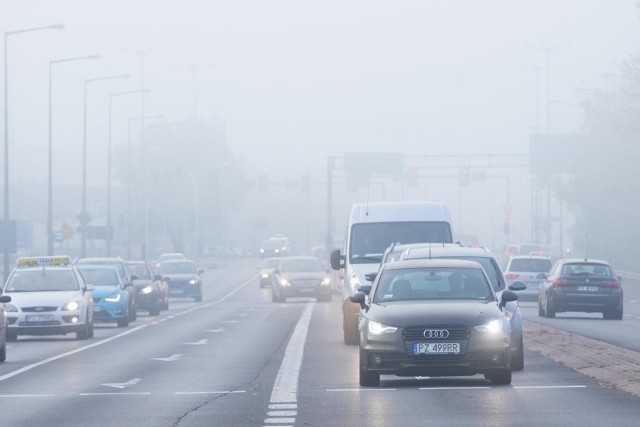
(48, 297)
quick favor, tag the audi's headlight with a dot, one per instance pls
(376, 328)
(71, 306)
(113, 298)
(194, 281)
(147, 290)
(10, 308)
(492, 327)
(354, 282)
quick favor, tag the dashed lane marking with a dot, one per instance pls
(210, 392)
(25, 395)
(121, 393)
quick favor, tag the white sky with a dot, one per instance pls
(298, 80)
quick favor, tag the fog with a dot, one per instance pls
(253, 90)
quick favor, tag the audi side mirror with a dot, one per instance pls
(508, 296)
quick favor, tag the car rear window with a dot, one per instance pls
(578, 269)
(530, 265)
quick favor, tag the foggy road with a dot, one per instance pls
(230, 361)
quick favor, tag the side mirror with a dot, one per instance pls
(5, 298)
(337, 260)
(517, 286)
(89, 288)
(508, 296)
(359, 298)
(371, 276)
(541, 276)
(134, 277)
(365, 289)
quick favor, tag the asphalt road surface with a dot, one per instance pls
(237, 359)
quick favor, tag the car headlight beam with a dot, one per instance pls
(113, 298)
(492, 327)
(71, 306)
(147, 290)
(377, 328)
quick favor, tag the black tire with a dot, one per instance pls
(123, 323)
(156, 309)
(517, 360)
(613, 314)
(550, 310)
(84, 334)
(12, 336)
(502, 377)
(133, 313)
(349, 330)
(91, 330)
(3, 351)
(540, 310)
(368, 379)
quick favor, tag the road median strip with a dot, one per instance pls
(610, 365)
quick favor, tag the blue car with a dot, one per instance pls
(110, 295)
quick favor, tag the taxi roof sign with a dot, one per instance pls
(43, 261)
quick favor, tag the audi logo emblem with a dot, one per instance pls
(436, 333)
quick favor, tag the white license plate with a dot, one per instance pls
(39, 318)
(436, 348)
(97, 308)
(587, 288)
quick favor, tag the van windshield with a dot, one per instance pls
(368, 241)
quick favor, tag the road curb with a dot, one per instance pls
(610, 365)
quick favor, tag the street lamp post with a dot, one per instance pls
(50, 148)
(109, 222)
(84, 217)
(7, 34)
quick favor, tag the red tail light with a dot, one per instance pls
(511, 276)
(614, 284)
(558, 283)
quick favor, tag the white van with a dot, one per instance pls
(372, 228)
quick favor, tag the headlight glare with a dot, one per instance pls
(326, 281)
(147, 290)
(71, 306)
(113, 298)
(491, 327)
(376, 328)
(284, 282)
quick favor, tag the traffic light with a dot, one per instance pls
(263, 183)
(507, 223)
(464, 176)
(412, 177)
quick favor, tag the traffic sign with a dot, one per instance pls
(84, 218)
(57, 237)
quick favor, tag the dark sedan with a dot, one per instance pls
(301, 276)
(183, 277)
(585, 285)
(436, 317)
(148, 293)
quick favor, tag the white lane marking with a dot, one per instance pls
(131, 382)
(229, 321)
(340, 390)
(282, 413)
(201, 342)
(454, 388)
(26, 395)
(115, 337)
(69, 353)
(285, 387)
(171, 358)
(533, 387)
(215, 330)
(122, 393)
(240, 314)
(283, 406)
(210, 392)
(280, 420)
